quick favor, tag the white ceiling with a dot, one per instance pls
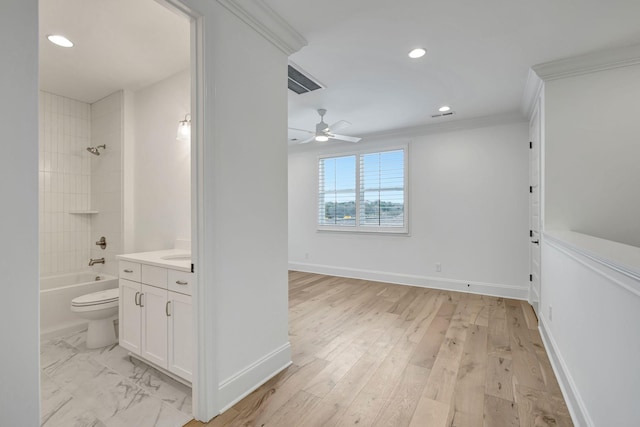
(479, 52)
(119, 44)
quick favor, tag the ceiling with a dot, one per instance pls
(119, 44)
(478, 53)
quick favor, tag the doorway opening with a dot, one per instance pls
(112, 169)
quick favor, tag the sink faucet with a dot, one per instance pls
(96, 261)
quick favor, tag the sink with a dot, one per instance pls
(181, 257)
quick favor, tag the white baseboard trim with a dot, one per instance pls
(64, 329)
(473, 287)
(577, 408)
(239, 385)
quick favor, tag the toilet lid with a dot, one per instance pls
(95, 298)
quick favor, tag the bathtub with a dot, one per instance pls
(56, 293)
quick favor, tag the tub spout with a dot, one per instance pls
(96, 261)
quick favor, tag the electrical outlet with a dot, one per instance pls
(438, 267)
(550, 313)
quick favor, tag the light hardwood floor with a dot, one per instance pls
(377, 354)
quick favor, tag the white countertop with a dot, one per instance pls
(158, 258)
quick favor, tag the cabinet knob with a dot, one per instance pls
(128, 271)
(166, 309)
(180, 282)
(135, 298)
(140, 299)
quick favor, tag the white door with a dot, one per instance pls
(534, 206)
(153, 302)
(130, 316)
(180, 357)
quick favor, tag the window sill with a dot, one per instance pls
(333, 230)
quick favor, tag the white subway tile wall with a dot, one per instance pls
(64, 177)
(106, 181)
(72, 179)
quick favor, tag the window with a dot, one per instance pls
(363, 192)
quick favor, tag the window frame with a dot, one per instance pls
(358, 228)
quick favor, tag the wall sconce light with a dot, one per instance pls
(184, 128)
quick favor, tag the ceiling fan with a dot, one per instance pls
(324, 132)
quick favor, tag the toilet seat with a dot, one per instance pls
(105, 299)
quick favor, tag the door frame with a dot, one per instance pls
(535, 198)
(533, 109)
(205, 375)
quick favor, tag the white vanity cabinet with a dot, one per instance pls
(154, 325)
(156, 316)
(129, 315)
(180, 357)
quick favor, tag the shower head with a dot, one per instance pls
(96, 150)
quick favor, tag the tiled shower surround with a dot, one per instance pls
(65, 181)
(73, 180)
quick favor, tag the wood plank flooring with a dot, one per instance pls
(377, 354)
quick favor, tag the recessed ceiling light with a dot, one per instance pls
(60, 40)
(444, 109)
(417, 53)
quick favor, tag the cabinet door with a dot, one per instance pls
(180, 335)
(154, 325)
(130, 315)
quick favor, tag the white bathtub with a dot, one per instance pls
(56, 293)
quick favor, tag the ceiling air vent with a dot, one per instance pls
(450, 113)
(301, 83)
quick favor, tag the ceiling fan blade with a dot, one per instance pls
(339, 125)
(303, 130)
(344, 137)
(307, 140)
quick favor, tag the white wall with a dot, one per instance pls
(64, 184)
(106, 181)
(162, 165)
(467, 210)
(244, 259)
(19, 370)
(592, 154)
(592, 334)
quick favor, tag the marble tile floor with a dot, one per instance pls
(105, 388)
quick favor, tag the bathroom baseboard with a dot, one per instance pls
(65, 330)
(70, 328)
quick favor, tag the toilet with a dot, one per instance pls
(100, 309)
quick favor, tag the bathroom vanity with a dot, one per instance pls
(155, 314)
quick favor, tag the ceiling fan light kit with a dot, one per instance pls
(325, 132)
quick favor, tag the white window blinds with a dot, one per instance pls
(382, 189)
(363, 192)
(337, 192)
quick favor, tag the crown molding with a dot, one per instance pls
(259, 16)
(589, 63)
(450, 126)
(532, 90)
(411, 132)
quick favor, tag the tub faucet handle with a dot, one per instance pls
(102, 242)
